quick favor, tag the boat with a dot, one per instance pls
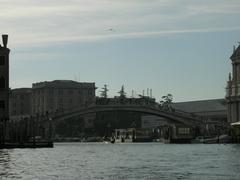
(123, 136)
(212, 140)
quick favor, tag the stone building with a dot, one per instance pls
(61, 95)
(20, 102)
(4, 79)
(212, 109)
(233, 88)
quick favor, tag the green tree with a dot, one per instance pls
(104, 91)
(166, 101)
(122, 92)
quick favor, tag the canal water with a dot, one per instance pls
(122, 161)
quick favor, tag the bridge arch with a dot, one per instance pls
(170, 116)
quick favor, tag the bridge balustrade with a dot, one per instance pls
(154, 110)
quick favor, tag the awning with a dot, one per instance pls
(235, 124)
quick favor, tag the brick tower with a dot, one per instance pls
(233, 88)
(4, 86)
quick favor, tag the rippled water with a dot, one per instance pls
(122, 161)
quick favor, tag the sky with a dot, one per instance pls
(180, 47)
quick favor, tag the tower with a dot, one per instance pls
(233, 88)
(4, 86)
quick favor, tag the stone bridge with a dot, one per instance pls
(173, 115)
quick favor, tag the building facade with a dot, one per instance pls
(233, 88)
(4, 79)
(212, 109)
(61, 95)
(20, 102)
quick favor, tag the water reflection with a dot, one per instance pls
(122, 161)
(4, 162)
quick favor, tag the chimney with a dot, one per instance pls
(5, 40)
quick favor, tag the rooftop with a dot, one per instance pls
(236, 53)
(21, 90)
(63, 84)
(202, 105)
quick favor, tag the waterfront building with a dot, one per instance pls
(212, 109)
(61, 95)
(4, 79)
(20, 103)
(233, 88)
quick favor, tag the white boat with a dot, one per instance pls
(123, 136)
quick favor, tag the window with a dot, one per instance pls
(60, 91)
(50, 91)
(2, 82)
(2, 60)
(22, 97)
(70, 91)
(2, 104)
(89, 93)
(184, 131)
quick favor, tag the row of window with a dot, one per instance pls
(16, 112)
(61, 92)
(60, 100)
(17, 96)
(20, 104)
(184, 131)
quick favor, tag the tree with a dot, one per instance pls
(166, 101)
(104, 91)
(122, 92)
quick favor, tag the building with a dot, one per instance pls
(20, 103)
(61, 95)
(4, 79)
(214, 109)
(233, 88)
(4, 88)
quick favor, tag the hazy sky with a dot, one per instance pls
(172, 46)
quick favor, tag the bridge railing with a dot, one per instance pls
(182, 113)
(171, 111)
